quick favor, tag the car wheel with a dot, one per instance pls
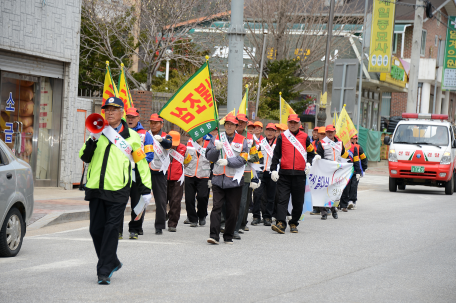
(401, 187)
(392, 185)
(12, 234)
(449, 186)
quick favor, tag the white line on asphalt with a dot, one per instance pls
(90, 240)
(59, 232)
(57, 265)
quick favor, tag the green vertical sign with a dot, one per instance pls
(449, 63)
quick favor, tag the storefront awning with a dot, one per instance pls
(400, 28)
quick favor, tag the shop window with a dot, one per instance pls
(386, 105)
(394, 43)
(423, 43)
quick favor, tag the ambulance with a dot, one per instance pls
(422, 152)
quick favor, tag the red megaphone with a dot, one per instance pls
(95, 123)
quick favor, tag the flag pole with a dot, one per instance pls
(280, 113)
(215, 103)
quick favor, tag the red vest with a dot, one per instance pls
(238, 140)
(292, 158)
(175, 168)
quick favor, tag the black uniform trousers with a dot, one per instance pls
(105, 217)
(159, 189)
(133, 226)
(243, 205)
(346, 193)
(353, 195)
(294, 185)
(231, 197)
(266, 192)
(196, 186)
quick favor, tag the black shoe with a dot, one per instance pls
(293, 228)
(202, 221)
(278, 227)
(261, 221)
(255, 222)
(158, 231)
(133, 236)
(103, 280)
(267, 222)
(229, 242)
(315, 212)
(187, 221)
(324, 217)
(115, 269)
(335, 215)
(141, 233)
(193, 224)
(236, 236)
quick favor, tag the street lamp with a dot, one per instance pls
(167, 56)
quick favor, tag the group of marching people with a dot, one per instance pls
(128, 162)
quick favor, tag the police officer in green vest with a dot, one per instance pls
(116, 160)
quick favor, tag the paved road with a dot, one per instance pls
(397, 247)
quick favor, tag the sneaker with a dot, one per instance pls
(267, 222)
(172, 229)
(344, 210)
(120, 236)
(133, 236)
(278, 227)
(246, 228)
(193, 224)
(202, 221)
(240, 231)
(236, 236)
(354, 206)
(229, 242)
(103, 280)
(115, 269)
(158, 231)
(187, 221)
(315, 212)
(335, 215)
(350, 205)
(212, 241)
(293, 228)
(255, 221)
(324, 217)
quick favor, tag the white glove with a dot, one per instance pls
(222, 162)
(147, 198)
(316, 158)
(307, 170)
(275, 176)
(209, 184)
(96, 136)
(218, 145)
(158, 138)
(254, 185)
(357, 177)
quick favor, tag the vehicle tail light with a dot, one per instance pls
(446, 158)
(392, 157)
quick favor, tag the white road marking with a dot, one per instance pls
(59, 232)
(57, 265)
(90, 240)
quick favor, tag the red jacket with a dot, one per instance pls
(175, 168)
(291, 158)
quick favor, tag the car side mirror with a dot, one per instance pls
(387, 140)
(454, 144)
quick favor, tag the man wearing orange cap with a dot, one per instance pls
(227, 180)
(362, 163)
(250, 127)
(158, 169)
(176, 177)
(315, 134)
(295, 153)
(135, 228)
(267, 187)
(249, 184)
(321, 135)
(257, 132)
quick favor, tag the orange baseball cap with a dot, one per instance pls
(271, 126)
(258, 123)
(321, 130)
(294, 117)
(250, 123)
(132, 112)
(155, 117)
(231, 119)
(284, 126)
(355, 137)
(316, 128)
(176, 137)
(242, 117)
(330, 128)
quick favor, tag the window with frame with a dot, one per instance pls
(423, 43)
(394, 43)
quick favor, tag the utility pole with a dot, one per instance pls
(415, 58)
(236, 35)
(261, 74)
(321, 116)
(361, 65)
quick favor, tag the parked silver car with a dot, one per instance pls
(16, 201)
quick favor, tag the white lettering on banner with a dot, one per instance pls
(173, 153)
(121, 144)
(333, 144)
(327, 180)
(296, 144)
(162, 155)
(230, 154)
(264, 144)
(198, 147)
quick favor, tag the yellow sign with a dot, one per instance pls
(323, 99)
(345, 128)
(192, 106)
(109, 88)
(285, 110)
(397, 76)
(124, 90)
(381, 41)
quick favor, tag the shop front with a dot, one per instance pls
(31, 91)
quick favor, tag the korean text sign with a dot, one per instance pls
(449, 63)
(382, 31)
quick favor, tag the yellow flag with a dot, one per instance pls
(232, 113)
(192, 106)
(109, 88)
(124, 90)
(285, 110)
(243, 106)
(345, 128)
(335, 119)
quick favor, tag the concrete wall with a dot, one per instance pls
(50, 30)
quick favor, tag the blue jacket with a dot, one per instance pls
(149, 140)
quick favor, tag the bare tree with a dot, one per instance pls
(148, 31)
